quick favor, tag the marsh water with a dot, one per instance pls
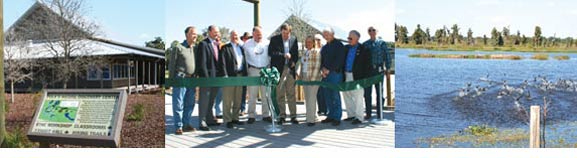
(430, 102)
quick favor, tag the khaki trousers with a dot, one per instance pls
(311, 102)
(354, 100)
(232, 97)
(286, 93)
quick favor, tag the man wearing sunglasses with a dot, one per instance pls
(356, 68)
(379, 58)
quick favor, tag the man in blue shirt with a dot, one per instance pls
(332, 63)
(356, 68)
(379, 58)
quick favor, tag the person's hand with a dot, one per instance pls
(287, 56)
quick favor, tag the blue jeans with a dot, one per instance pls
(182, 105)
(369, 99)
(218, 103)
(332, 97)
(243, 102)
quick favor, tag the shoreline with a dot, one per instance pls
(489, 49)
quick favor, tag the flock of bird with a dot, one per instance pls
(518, 93)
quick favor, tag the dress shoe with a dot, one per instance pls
(250, 121)
(267, 119)
(310, 124)
(349, 119)
(327, 120)
(237, 122)
(178, 132)
(281, 120)
(356, 122)
(204, 128)
(229, 125)
(294, 121)
(213, 124)
(219, 116)
(188, 129)
(367, 117)
(336, 122)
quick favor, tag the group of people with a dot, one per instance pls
(332, 62)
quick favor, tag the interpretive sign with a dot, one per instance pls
(79, 117)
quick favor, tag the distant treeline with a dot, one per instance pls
(450, 39)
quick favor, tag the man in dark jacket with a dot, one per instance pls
(332, 63)
(236, 66)
(208, 65)
(283, 50)
(356, 67)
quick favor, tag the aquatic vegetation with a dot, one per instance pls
(562, 57)
(540, 57)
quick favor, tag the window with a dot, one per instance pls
(121, 71)
(97, 73)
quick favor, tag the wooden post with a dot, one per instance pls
(389, 97)
(129, 67)
(534, 136)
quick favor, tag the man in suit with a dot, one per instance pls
(208, 65)
(235, 61)
(356, 68)
(182, 65)
(283, 51)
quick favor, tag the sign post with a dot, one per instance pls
(79, 117)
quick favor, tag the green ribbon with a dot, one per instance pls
(345, 86)
(214, 82)
(263, 80)
(269, 77)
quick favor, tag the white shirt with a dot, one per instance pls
(257, 53)
(238, 53)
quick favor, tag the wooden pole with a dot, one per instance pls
(389, 97)
(534, 136)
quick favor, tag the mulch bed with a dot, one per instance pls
(148, 133)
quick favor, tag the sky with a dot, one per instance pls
(129, 21)
(238, 15)
(556, 17)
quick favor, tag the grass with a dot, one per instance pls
(137, 113)
(479, 136)
(17, 139)
(488, 48)
(468, 56)
(480, 130)
(540, 56)
(562, 57)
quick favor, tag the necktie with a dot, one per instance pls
(215, 48)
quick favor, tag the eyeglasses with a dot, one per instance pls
(372, 30)
(350, 38)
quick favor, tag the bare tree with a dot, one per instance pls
(64, 33)
(18, 65)
(299, 17)
(298, 9)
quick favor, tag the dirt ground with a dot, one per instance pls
(148, 133)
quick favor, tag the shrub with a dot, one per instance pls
(137, 113)
(16, 139)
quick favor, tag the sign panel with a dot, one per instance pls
(79, 117)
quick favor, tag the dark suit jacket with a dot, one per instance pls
(207, 66)
(229, 57)
(362, 64)
(276, 53)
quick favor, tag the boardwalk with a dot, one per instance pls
(254, 136)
